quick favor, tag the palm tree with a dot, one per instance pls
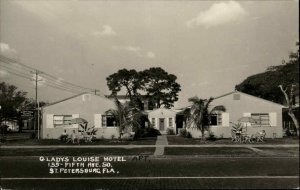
(125, 115)
(198, 113)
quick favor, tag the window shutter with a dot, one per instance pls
(98, 120)
(103, 121)
(49, 121)
(247, 114)
(225, 119)
(273, 119)
(75, 116)
(170, 122)
(153, 122)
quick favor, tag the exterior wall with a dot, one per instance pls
(87, 106)
(246, 105)
(223, 130)
(165, 114)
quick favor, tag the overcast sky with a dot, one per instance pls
(209, 45)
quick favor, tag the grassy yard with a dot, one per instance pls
(178, 140)
(233, 151)
(210, 151)
(141, 141)
(75, 151)
(280, 151)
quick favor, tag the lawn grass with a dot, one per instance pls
(75, 151)
(178, 140)
(211, 151)
(141, 141)
(281, 151)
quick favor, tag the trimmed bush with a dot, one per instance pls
(170, 131)
(211, 137)
(147, 132)
(184, 133)
(188, 135)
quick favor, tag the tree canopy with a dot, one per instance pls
(11, 100)
(155, 83)
(265, 85)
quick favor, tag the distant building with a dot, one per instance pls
(11, 124)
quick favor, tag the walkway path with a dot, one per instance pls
(161, 142)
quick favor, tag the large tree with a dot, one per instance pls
(159, 86)
(128, 80)
(288, 89)
(265, 85)
(198, 114)
(11, 101)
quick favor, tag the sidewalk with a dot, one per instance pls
(161, 142)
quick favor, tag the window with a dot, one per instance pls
(213, 119)
(108, 121)
(61, 120)
(261, 119)
(170, 122)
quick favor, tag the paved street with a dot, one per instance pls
(180, 172)
(266, 166)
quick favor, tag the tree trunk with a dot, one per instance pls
(202, 133)
(290, 106)
(292, 115)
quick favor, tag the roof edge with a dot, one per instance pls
(236, 91)
(71, 97)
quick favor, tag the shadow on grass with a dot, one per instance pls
(178, 140)
(76, 151)
(29, 142)
(212, 151)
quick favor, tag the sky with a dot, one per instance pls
(210, 46)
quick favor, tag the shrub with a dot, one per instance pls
(146, 132)
(3, 129)
(151, 132)
(211, 137)
(188, 135)
(170, 131)
(33, 135)
(183, 132)
(113, 137)
(290, 133)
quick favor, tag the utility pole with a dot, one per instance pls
(37, 114)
